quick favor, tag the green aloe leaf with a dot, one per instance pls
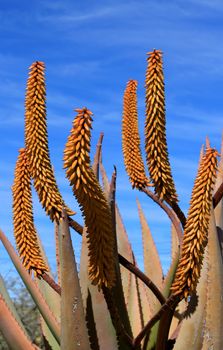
(192, 327)
(175, 244)
(4, 293)
(101, 323)
(124, 246)
(11, 330)
(32, 288)
(52, 298)
(218, 212)
(152, 265)
(214, 306)
(74, 335)
(166, 292)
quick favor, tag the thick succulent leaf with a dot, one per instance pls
(175, 244)
(152, 265)
(166, 292)
(53, 300)
(5, 295)
(74, 334)
(119, 305)
(12, 332)
(56, 236)
(134, 291)
(192, 328)
(32, 288)
(145, 307)
(124, 246)
(170, 275)
(102, 321)
(105, 180)
(92, 332)
(134, 309)
(139, 308)
(168, 282)
(214, 308)
(219, 208)
(125, 249)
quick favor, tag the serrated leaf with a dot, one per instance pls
(145, 307)
(214, 307)
(12, 332)
(10, 304)
(219, 208)
(218, 211)
(192, 328)
(104, 327)
(53, 300)
(152, 265)
(175, 244)
(32, 288)
(133, 304)
(118, 305)
(166, 292)
(74, 334)
(124, 246)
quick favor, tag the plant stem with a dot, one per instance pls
(171, 214)
(51, 283)
(128, 265)
(170, 304)
(218, 195)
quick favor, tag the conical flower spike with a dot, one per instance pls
(130, 138)
(196, 228)
(37, 144)
(155, 130)
(24, 230)
(92, 201)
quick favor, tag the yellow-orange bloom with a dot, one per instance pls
(130, 138)
(155, 130)
(24, 230)
(94, 206)
(196, 228)
(37, 144)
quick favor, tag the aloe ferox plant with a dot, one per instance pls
(110, 303)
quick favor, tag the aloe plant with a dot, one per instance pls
(110, 303)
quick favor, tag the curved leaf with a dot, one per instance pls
(11, 330)
(74, 334)
(10, 304)
(214, 307)
(104, 328)
(152, 265)
(52, 298)
(32, 288)
(192, 328)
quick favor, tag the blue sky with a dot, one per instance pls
(91, 49)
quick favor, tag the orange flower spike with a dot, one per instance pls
(155, 130)
(36, 141)
(24, 230)
(196, 228)
(91, 199)
(130, 138)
